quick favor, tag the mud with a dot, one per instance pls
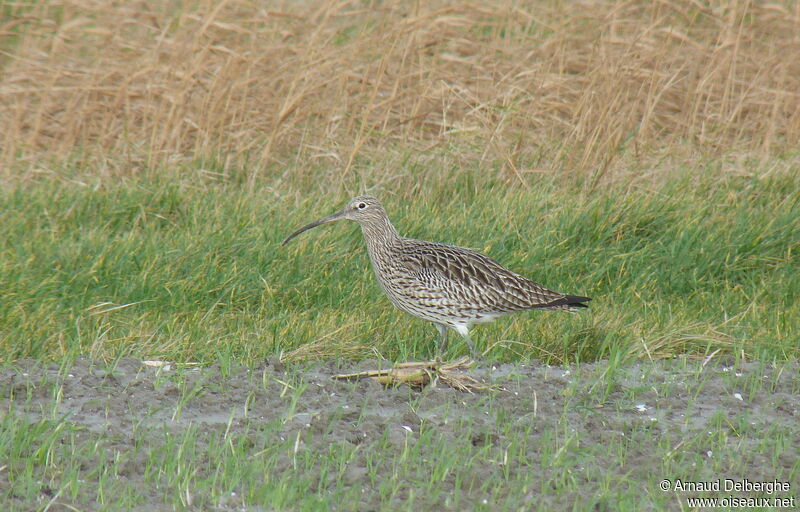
(594, 402)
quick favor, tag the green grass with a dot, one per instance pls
(178, 267)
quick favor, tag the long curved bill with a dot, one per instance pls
(332, 218)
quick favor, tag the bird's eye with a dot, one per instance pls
(361, 206)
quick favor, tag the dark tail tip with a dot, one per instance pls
(575, 301)
(568, 302)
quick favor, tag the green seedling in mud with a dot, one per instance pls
(186, 394)
(485, 451)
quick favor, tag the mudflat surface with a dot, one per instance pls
(637, 424)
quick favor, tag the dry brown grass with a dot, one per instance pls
(532, 86)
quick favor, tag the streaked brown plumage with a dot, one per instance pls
(447, 285)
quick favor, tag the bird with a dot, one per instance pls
(452, 287)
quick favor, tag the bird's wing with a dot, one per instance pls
(473, 277)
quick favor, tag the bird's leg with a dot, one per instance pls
(471, 346)
(443, 341)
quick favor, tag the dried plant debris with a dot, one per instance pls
(420, 374)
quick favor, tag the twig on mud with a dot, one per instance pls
(420, 374)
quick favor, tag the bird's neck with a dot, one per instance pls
(379, 235)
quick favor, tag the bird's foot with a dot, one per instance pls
(474, 354)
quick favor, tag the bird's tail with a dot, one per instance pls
(567, 303)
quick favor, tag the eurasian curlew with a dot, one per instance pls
(450, 286)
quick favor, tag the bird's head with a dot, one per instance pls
(362, 209)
